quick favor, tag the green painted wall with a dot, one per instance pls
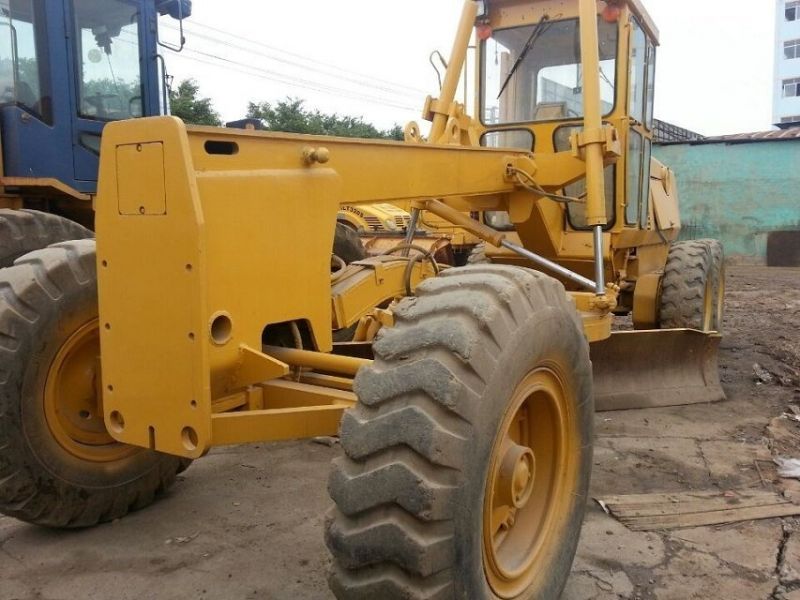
(737, 193)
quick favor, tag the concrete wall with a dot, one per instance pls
(738, 193)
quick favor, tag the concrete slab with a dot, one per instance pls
(594, 586)
(752, 546)
(731, 464)
(697, 575)
(640, 465)
(790, 565)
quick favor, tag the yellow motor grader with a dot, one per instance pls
(465, 397)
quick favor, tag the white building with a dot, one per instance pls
(786, 87)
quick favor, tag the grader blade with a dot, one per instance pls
(648, 369)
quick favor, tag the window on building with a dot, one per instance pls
(791, 49)
(794, 119)
(791, 88)
(793, 10)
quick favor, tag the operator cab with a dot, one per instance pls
(66, 69)
(531, 93)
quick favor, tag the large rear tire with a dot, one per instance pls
(23, 231)
(689, 298)
(468, 456)
(58, 465)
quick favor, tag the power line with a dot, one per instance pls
(287, 79)
(299, 82)
(372, 85)
(338, 69)
(214, 61)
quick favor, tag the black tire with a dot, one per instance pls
(347, 245)
(45, 298)
(477, 255)
(687, 287)
(23, 231)
(410, 489)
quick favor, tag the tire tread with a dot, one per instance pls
(391, 532)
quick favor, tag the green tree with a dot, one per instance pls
(186, 104)
(291, 116)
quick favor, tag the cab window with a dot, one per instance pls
(638, 69)
(534, 73)
(633, 192)
(640, 98)
(21, 67)
(509, 138)
(651, 84)
(109, 59)
(576, 211)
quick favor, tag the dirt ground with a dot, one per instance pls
(246, 522)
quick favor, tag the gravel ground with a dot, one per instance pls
(246, 522)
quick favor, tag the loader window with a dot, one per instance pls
(509, 138)
(651, 84)
(576, 213)
(638, 67)
(499, 220)
(633, 191)
(645, 194)
(642, 76)
(544, 82)
(21, 66)
(109, 59)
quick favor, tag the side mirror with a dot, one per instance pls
(177, 9)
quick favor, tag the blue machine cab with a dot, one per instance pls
(66, 69)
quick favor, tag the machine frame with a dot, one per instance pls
(183, 375)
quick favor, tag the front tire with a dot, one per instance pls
(468, 456)
(58, 465)
(689, 298)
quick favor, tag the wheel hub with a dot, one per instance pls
(529, 480)
(517, 472)
(72, 402)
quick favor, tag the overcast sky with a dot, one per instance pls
(370, 58)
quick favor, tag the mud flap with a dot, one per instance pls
(648, 369)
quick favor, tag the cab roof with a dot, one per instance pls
(636, 6)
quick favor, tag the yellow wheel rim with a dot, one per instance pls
(709, 304)
(72, 403)
(532, 478)
(719, 312)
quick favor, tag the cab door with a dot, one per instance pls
(641, 83)
(106, 40)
